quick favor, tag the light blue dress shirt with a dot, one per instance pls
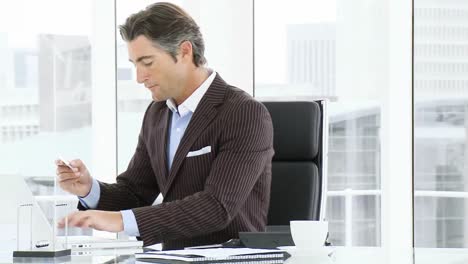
(181, 116)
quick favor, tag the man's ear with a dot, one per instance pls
(185, 50)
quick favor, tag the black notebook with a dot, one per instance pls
(213, 255)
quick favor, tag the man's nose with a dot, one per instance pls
(142, 76)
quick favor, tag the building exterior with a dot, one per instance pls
(440, 128)
(311, 50)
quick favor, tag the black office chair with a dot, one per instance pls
(299, 163)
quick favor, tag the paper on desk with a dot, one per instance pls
(212, 253)
(156, 247)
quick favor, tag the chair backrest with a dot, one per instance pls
(299, 163)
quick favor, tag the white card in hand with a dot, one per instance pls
(66, 162)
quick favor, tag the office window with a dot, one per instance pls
(45, 90)
(26, 68)
(306, 50)
(440, 127)
(440, 134)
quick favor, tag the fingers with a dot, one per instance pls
(63, 170)
(80, 219)
(99, 220)
(61, 222)
(66, 173)
(59, 162)
(65, 176)
(77, 163)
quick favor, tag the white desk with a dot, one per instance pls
(341, 255)
(91, 256)
(366, 255)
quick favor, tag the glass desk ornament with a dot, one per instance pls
(34, 243)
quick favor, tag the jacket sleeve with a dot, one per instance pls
(135, 187)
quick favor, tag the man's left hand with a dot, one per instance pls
(99, 220)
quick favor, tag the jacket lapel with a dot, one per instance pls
(202, 117)
(161, 128)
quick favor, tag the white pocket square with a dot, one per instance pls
(199, 152)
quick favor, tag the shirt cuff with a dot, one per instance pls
(129, 223)
(91, 200)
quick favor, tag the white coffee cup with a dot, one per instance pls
(308, 234)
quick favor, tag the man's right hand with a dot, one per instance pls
(76, 181)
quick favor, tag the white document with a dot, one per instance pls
(199, 152)
(156, 247)
(212, 254)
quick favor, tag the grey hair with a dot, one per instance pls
(167, 26)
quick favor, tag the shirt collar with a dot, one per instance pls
(191, 103)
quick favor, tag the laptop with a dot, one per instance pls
(89, 242)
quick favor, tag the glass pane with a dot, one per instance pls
(336, 223)
(441, 101)
(365, 215)
(335, 50)
(440, 222)
(45, 99)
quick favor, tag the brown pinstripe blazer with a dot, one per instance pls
(207, 198)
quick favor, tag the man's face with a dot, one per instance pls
(156, 69)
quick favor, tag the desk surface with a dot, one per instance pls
(341, 255)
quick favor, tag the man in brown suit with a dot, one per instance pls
(204, 145)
